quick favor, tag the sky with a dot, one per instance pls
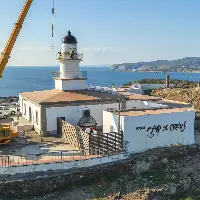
(108, 31)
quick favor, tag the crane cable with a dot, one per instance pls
(52, 28)
(52, 18)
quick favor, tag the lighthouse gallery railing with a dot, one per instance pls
(71, 74)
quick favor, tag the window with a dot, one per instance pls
(36, 117)
(24, 109)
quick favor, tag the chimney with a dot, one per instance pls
(167, 81)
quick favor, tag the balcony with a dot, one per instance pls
(70, 75)
(66, 56)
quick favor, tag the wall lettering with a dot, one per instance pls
(140, 128)
(153, 130)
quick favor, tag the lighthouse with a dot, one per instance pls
(69, 77)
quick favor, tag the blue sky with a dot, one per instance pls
(108, 31)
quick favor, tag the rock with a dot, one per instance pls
(142, 166)
(187, 183)
(183, 186)
(188, 170)
(157, 165)
(171, 190)
(164, 161)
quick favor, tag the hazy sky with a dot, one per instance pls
(108, 31)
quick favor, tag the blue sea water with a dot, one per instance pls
(24, 79)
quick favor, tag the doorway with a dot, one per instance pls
(59, 125)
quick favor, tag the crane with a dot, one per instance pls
(5, 55)
(6, 133)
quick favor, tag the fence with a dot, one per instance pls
(70, 134)
(106, 143)
(47, 158)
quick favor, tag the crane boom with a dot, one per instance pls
(13, 36)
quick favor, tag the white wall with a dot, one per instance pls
(140, 104)
(62, 166)
(154, 86)
(150, 86)
(67, 47)
(70, 84)
(111, 120)
(73, 113)
(134, 103)
(25, 105)
(140, 140)
(69, 68)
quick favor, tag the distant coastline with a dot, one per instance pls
(188, 64)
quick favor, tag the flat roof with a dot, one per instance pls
(151, 111)
(58, 96)
(142, 97)
(175, 104)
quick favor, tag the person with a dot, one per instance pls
(71, 53)
(113, 86)
(91, 130)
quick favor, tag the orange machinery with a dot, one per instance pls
(6, 133)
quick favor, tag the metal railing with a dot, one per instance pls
(50, 157)
(70, 75)
(66, 56)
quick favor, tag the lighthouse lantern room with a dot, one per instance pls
(69, 77)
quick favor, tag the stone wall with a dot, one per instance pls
(30, 183)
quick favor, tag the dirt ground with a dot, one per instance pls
(33, 143)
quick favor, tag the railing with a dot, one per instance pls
(66, 56)
(71, 75)
(47, 158)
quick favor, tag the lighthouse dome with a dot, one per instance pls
(69, 39)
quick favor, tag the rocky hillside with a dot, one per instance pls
(187, 64)
(161, 174)
(184, 92)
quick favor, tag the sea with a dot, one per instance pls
(26, 79)
(23, 79)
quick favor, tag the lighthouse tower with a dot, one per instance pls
(69, 77)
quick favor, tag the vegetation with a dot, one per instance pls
(157, 81)
(187, 64)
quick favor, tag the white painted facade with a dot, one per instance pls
(139, 104)
(141, 134)
(139, 88)
(31, 112)
(69, 84)
(62, 166)
(73, 113)
(70, 76)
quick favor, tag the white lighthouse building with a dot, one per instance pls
(71, 96)
(70, 77)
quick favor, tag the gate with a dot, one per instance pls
(106, 143)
